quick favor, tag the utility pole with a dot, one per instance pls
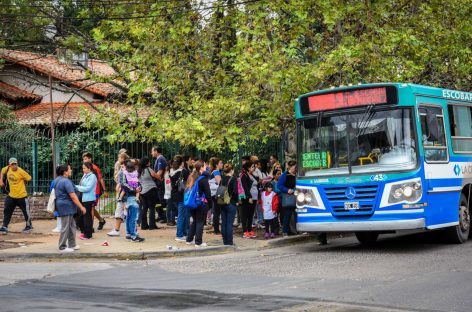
(53, 140)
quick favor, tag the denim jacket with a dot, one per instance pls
(87, 186)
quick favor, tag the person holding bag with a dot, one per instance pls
(286, 185)
(229, 209)
(87, 187)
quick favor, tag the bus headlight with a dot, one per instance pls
(306, 197)
(409, 192)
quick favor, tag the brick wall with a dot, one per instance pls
(37, 206)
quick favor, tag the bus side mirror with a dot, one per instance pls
(433, 126)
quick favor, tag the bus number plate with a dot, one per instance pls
(351, 205)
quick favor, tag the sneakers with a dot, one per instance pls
(181, 239)
(27, 229)
(189, 243)
(252, 234)
(56, 230)
(285, 235)
(272, 235)
(128, 238)
(101, 224)
(260, 226)
(266, 235)
(82, 237)
(137, 239)
(246, 235)
(3, 230)
(202, 245)
(77, 247)
(67, 250)
(113, 232)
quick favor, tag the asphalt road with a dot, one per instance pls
(410, 273)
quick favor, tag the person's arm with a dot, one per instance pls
(281, 183)
(25, 175)
(217, 177)
(77, 202)
(204, 188)
(89, 184)
(275, 203)
(1, 178)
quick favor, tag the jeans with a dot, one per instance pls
(260, 214)
(171, 210)
(183, 220)
(131, 217)
(216, 216)
(228, 213)
(287, 215)
(196, 228)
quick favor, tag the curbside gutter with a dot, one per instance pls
(300, 238)
(145, 255)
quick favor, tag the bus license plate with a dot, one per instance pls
(351, 205)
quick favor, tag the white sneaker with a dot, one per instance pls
(67, 250)
(77, 247)
(202, 245)
(181, 239)
(56, 230)
(189, 243)
(113, 232)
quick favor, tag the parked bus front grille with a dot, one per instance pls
(365, 196)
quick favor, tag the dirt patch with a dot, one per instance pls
(17, 240)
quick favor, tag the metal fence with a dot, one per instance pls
(32, 148)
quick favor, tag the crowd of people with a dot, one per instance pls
(156, 190)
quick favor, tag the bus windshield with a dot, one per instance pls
(340, 143)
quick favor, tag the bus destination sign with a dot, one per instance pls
(347, 99)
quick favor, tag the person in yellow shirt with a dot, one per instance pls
(16, 179)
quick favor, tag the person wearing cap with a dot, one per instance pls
(16, 179)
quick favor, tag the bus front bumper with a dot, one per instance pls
(357, 226)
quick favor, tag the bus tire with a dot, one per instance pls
(460, 233)
(367, 238)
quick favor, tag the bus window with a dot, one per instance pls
(461, 128)
(433, 133)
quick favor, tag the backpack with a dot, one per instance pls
(6, 186)
(222, 195)
(241, 193)
(192, 198)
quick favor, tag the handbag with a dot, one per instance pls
(51, 207)
(288, 200)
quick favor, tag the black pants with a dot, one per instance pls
(85, 221)
(216, 216)
(270, 225)
(196, 228)
(162, 203)
(149, 201)
(247, 213)
(11, 204)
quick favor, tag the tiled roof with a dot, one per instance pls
(50, 65)
(40, 114)
(13, 93)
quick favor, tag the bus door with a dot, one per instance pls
(440, 189)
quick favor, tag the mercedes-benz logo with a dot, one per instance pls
(350, 193)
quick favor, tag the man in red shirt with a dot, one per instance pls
(101, 189)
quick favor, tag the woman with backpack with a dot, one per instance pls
(199, 178)
(178, 177)
(148, 196)
(227, 197)
(251, 193)
(286, 185)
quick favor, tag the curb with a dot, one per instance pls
(146, 255)
(300, 238)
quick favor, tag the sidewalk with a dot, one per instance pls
(41, 243)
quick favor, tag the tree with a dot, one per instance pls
(215, 73)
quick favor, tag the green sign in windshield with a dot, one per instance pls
(315, 160)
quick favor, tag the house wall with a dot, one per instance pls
(14, 75)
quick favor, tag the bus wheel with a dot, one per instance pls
(460, 233)
(367, 238)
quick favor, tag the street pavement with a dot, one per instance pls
(408, 273)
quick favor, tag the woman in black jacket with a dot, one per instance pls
(249, 185)
(199, 214)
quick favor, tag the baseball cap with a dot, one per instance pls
(12, 160)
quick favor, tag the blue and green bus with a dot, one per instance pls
(382, 158)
